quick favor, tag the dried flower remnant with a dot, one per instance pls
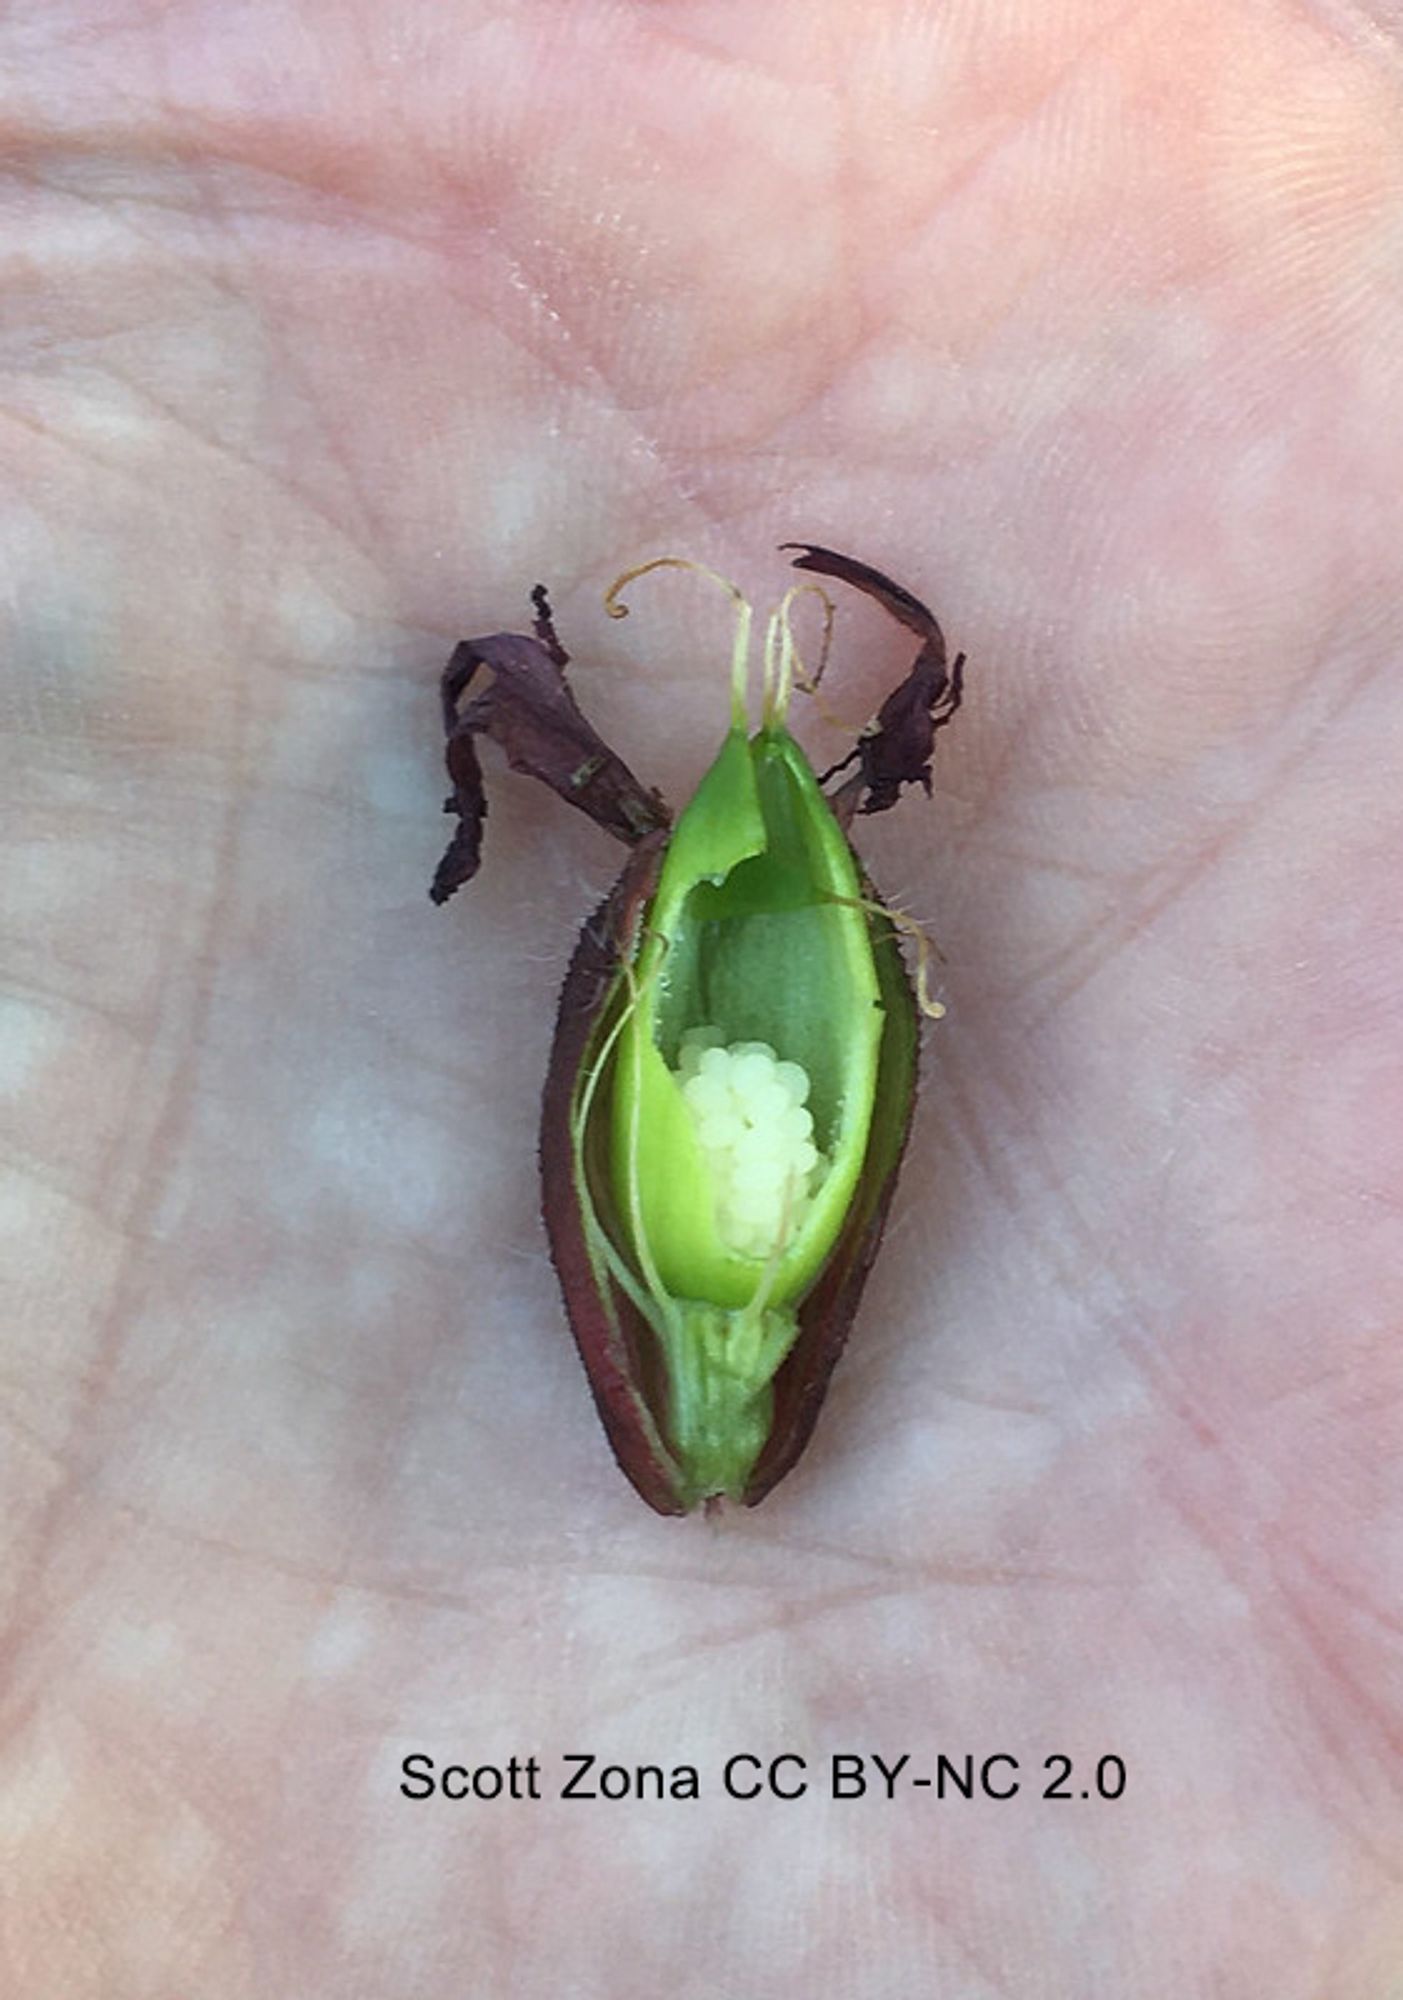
(531, 714)
(895, 749)
(734, 1064)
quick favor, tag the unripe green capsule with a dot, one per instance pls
(730, 1089)
(756, 930)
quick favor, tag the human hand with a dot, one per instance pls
(332, 332)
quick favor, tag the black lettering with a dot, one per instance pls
(585, 1762)
(947, 1773)
(1050, 1791)
(849, 1782)
(776, 1787)
(891, 1775)
(991, 1790)
(416, 1782)
(728, 1776)
(1110, 1777)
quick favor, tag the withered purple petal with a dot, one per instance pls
(896, 749)
(463, 855)
(529, 711)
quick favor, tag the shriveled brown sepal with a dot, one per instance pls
(895, 749)
(531, 714)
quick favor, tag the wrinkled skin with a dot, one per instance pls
(332, 331)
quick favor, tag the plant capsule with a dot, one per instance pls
(734, 1066)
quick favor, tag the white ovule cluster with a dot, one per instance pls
(756, 1136)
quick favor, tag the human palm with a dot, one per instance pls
(332, 332)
